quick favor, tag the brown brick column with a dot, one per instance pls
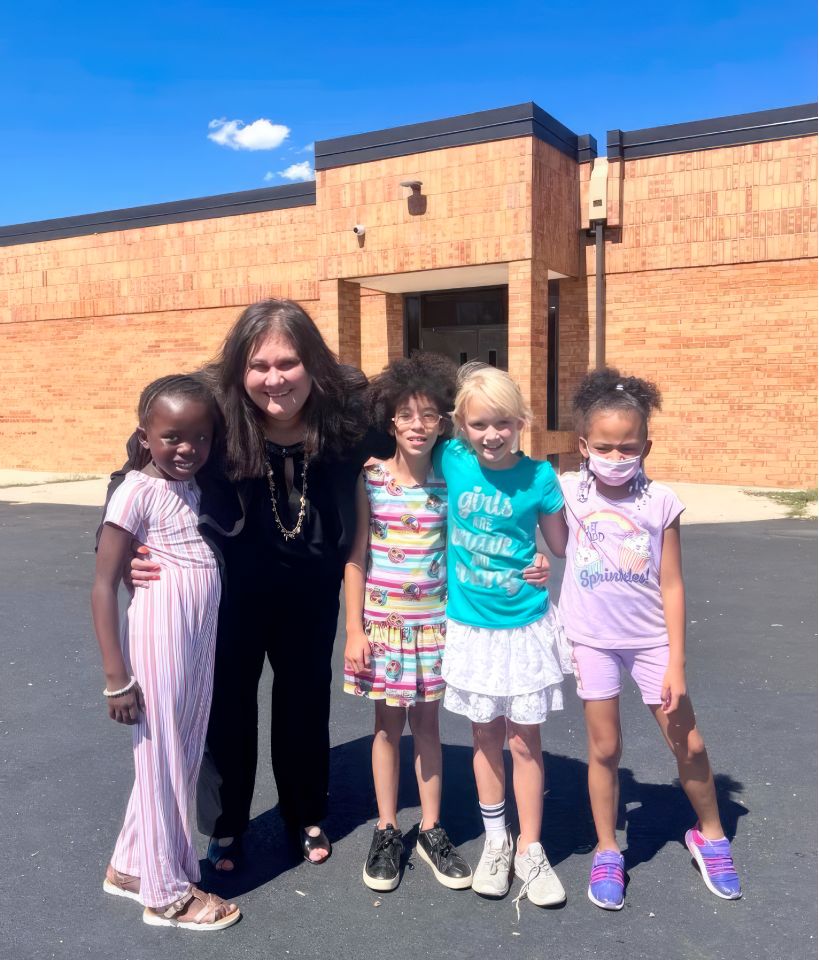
(339, 318)
(528, 344)
(382, 330)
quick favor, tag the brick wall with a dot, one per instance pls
(733, 348)
(382, 329)
(70, 387)
(478, 210)
(86, 322)
(730, 205)
(711, 290)
(223, 262)
(555, 209)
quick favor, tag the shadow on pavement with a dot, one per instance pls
(651, 814)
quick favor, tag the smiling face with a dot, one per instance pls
(276, 379)
(417, 424)
(179, 435)
(493, 434)
(616, 435)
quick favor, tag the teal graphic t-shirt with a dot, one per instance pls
(491, 537)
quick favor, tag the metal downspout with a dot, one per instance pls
(600, 295)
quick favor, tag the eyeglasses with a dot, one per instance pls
(428, 420)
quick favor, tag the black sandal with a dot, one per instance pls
(308, 844)
(233, 852)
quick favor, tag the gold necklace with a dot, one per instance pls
(288, 534)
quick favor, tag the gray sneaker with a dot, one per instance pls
(540, 883)
(495, 868)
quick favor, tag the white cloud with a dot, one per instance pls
(270, 176)
(296, 171)
(308, 149)
(259, 135)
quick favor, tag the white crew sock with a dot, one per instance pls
(494, 819)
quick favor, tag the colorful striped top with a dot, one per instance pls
(406, 570)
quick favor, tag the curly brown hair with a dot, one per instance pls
(428, 375)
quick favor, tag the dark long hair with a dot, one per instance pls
(191, 386)
(334, 414)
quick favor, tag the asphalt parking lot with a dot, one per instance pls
(66, 772)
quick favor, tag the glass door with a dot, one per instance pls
(462, 324)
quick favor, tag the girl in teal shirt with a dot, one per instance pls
(505, 654)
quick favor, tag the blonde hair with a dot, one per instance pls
(494, 387)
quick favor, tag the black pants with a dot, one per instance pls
(292, 621)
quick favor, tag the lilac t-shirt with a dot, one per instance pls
(611, 588)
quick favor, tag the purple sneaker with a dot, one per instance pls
(608, 880)
(716, 866)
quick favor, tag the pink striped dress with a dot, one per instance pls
(169, 638)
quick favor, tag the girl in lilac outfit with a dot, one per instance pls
(623, 605)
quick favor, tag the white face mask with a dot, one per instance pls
(614, 472)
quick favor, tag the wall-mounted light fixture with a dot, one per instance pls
(416, 201)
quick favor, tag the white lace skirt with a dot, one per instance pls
(515, 672)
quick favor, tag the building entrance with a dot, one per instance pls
(462, 324)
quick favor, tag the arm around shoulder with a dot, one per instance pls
(551, 519)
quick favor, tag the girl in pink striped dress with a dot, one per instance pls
(159, 666)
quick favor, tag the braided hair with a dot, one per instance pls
(190, 386)
(606, 391)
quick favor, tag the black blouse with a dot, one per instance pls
(328, 529)
(236, 519)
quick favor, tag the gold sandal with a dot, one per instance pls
(121, 884)
(205, 920)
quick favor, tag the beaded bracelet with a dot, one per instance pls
(119, 693)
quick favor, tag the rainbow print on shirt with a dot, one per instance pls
(610, 548)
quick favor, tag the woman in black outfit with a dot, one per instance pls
(281, 517)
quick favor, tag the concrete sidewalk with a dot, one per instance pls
(705, 502)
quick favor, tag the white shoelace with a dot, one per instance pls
(495, 858)
(537, 864)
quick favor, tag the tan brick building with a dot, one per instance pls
(477, 243)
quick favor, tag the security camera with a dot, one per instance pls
(358, 230)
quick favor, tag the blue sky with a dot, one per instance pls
(108, 105)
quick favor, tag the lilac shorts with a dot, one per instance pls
(598, 671)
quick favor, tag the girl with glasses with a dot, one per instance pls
(396, 590)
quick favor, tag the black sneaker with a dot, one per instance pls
(381, 869)
(447, 864)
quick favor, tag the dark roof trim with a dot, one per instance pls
(586, 148)
(157, 214)
(524, 119)
(744, 128)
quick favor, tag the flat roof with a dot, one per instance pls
(738, 130)
(524, 119)
(521, 120)
(156, 214)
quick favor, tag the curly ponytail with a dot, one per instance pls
(606, 391)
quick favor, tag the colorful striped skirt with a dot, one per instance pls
(405, 664)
